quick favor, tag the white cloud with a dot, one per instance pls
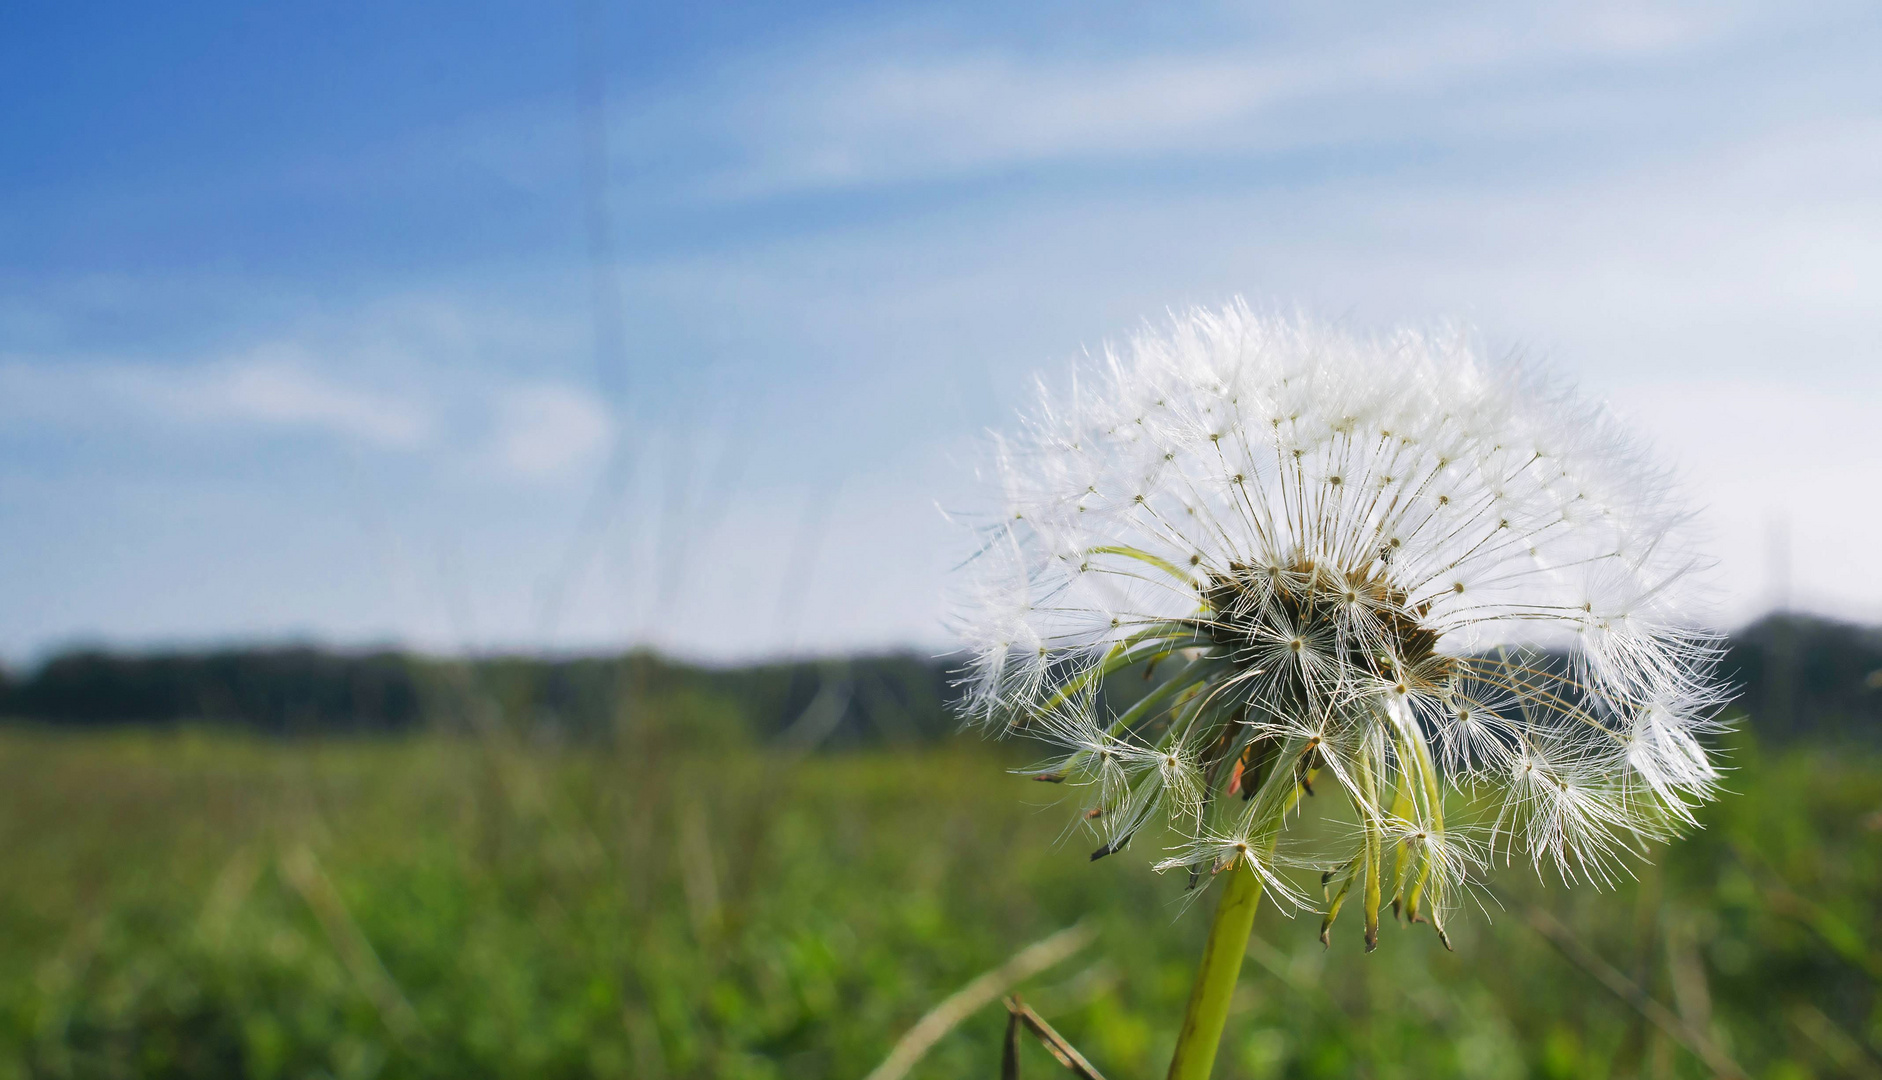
(817, 118)
(278, 391)
(545, 431)
(274, 388)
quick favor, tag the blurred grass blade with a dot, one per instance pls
(1838, 1045)
(981, 991)
(1629, 991)
(1836, 932)
(302, 871)
(1055, 1043)
(1009, 1048)
(823, 715)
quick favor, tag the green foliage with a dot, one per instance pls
(203, 905)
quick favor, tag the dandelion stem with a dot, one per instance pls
(1215, 979)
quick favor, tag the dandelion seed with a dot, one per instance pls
(1387, 562)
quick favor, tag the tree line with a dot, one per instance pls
(302, 690)
(1797, 676)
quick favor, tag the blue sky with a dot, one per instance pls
(300, 337)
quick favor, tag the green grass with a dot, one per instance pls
(201, 905)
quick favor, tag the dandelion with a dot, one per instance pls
(1249, 559)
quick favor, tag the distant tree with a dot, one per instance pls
(1809, 677)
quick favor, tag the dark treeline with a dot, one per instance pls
(1799, 676)
(303, 690)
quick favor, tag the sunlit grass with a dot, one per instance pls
(503, 912)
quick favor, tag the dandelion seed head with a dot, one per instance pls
(1382, 560)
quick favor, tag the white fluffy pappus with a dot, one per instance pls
(1249, 552)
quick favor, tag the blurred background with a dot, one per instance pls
(475, 486)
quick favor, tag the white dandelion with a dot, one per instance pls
(1249, 555)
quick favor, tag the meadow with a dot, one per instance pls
(195, 903)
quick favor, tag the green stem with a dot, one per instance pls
(1369, 821)
(1215, 979)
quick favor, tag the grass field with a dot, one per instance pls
(206, 905)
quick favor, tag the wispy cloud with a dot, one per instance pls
(281, 389)
(270, 390)
(544, 431)
(490, 423)
(818, 118)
